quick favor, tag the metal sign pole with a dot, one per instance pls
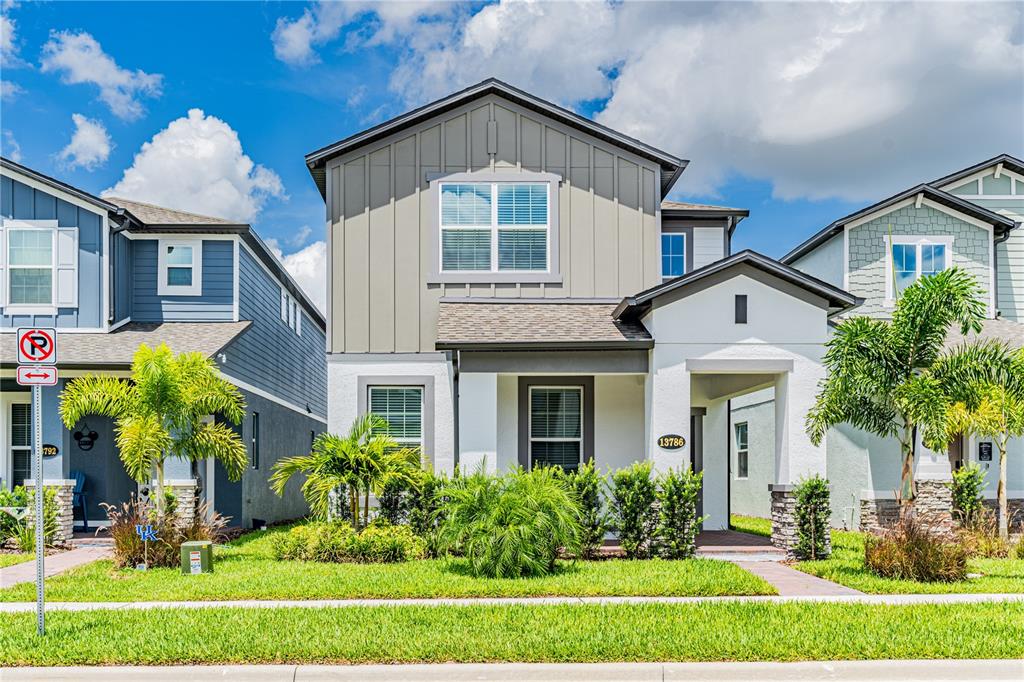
(37, 447)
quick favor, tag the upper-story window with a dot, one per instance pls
(291, 312)
(181, 267)
(673, 254)
(495, 226)
(912, 257)
(38, 266)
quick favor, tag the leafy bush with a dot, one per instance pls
(512, 525)
(130, 550)
(633, 511)
(968, 483)
(678, 525)
(22, 531)
(426, 511)
(337, 542)
(586, 484)
(909, 551)
(812, 515)
(395, 501)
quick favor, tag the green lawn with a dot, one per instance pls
(564, 633)
(846, 566)
(7, 559)
(751, 524)
(247, 570)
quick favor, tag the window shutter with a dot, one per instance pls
(66, 276)
(3, 267)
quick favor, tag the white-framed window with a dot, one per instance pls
(673, 255)
(38, 266)
(495, 227)
(908, 258)
(180, 263)
(742, 451)
(556, 426)
(402, 408)
(291, 312)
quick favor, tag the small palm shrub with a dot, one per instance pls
(586, 484)
(812, 515)
(513, 525)
(337, 542)
(909, 551)
(968, 484)
(165, 551)
(678, 524)
(633, 509)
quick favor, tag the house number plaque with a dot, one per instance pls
(671, 441)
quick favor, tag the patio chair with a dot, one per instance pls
(78, 499)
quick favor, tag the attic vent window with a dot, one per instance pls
(741, 308)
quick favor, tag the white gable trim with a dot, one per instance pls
(976, 177)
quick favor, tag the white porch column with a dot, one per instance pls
(668, 412)
(795, 455)
(478, 421)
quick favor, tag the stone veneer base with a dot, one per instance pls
(65, 512)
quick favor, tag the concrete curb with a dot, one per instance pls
(846, 671)
(887, 599)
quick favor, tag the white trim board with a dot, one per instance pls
(272, 398)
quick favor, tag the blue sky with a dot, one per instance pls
(799, 113)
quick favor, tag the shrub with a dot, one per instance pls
(908, 551)
(980, 536)
(426, 510)
(513, 525)
(22, 531)
(383, 543)
(968, 483)
(130, 550)
(586, 484)
(395, 501)
(812, 516)
(634, 514)
(678, 525)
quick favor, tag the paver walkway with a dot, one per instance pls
(844, 671)
(856, 598)
(793, 583)
(25, 572)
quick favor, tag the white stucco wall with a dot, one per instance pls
(344, 371)
(750, 496)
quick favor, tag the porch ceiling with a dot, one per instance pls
(497, 326)
(116, 349)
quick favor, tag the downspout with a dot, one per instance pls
(728, 463)
(115, 229)
(995, 266)
(455, 407)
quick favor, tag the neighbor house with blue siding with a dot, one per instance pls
(112, 273)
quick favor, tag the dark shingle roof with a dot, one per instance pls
(537, 325)
(1006, 331)
(114, 350)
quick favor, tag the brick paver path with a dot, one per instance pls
(25, 572)
(793, 583)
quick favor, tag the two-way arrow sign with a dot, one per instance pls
(40, 375)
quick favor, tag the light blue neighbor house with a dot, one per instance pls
(112, 273)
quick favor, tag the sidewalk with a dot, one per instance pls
(856, 598)
(25, 572)
(790, 582)
(844, 671)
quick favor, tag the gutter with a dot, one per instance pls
(995, 265)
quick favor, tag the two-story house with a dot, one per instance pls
(508, 286)
(112, 273)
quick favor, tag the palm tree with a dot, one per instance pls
(990, 403)
(163, 411)
(363, 461)
(880, 375)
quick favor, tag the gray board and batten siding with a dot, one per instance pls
(382, 220)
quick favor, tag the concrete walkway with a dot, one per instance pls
(844, 671)
(793, 583)
(856, 598)
(25, 572)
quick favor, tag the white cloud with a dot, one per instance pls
(197, 164)
(9, 38)
(300, 236)
(11, 148)
(296, 40)
(308, 267)
(821, 99)
(79, 58)
(89, 147)
(9, 90)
